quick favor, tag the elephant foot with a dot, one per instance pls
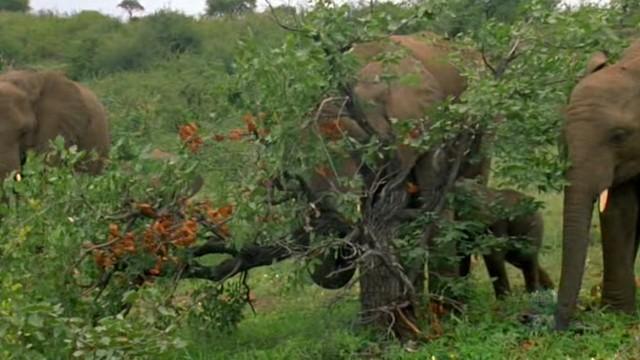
(619, 301)
(561, 321)
(616, 306)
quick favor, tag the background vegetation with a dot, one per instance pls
(165, 70)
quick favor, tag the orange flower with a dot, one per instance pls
(146, 210)
(332, 130)
(236, 134)
(412, 188)
(187, 131)
(528, 344)
(195, 144)
(224, 230)
(415, 133)
(114, 230)
(161, 226)
(226, 211)
(103, 259)
(149, 239)
(189, 135)
(129, 243)
(323, 171)
(186, 235)
(157, 268)
(214, 216)
(125, 245)
(249, 120)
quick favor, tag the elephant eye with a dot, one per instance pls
(619, 135)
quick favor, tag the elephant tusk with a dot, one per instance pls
(602, 200)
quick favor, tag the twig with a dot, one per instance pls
(243, 280)
(272, 10)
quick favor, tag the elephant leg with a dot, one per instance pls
(530, 274)
(528, 264)
(444, 265)
(465, 265)
(443, 269)
(498, 273)
(618, 225)
(464, 254)
(545, 280)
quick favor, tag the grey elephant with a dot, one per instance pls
(601, 136)
(506, 215)
(37, 106)
(384, 96)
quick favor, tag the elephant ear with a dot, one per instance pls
(60, 110)
(597, 61)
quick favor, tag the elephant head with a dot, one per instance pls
(36, 107)
(602, 140)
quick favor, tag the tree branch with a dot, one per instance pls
(248, 258)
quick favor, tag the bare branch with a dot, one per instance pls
(284, 26)
(248, 258)
(486, 61)
(213, 247)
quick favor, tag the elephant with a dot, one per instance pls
(37, 106)
(386, 93)
(502, 213)
(601, 140)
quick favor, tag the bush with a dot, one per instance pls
(119, 52)
(172, 33)
(47, 308)
(138, 45)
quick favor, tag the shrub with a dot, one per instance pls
(138, 45)
(172, 33)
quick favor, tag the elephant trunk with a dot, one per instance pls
(579, 197)
(10, 159)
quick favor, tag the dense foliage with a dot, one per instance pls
(112, 271)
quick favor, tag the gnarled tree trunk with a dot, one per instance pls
(387, 295)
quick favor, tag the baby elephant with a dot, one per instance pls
(504, 214)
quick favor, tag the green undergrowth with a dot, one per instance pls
(311, 323)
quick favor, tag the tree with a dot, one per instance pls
(525, 80)
(131, 6)
(217, 8)
(14, 5)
